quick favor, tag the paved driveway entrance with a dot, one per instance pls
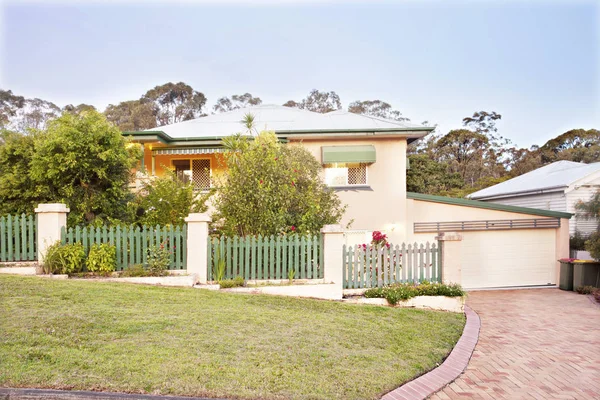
(533, 344)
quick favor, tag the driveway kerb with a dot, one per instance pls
(454, 365)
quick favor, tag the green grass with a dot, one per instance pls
(117, 337)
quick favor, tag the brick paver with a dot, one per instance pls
(533, 344)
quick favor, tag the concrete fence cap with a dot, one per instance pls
(52, 208)
(337, 228)
(198, 217)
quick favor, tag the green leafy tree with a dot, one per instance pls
(167, 200)
(271, 188)
(236, 101)
(84, 161)
(464, 151)
(78, 109)
(321, 102)
(376, 108)
(19, 193)
(430, 177)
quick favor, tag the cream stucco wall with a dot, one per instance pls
(555, 240)
(383, 205)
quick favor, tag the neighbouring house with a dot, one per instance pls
(557, 187)
(364, 159)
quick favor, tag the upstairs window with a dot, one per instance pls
(346, 174)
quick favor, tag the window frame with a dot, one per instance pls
(210, 170)
(347, 185)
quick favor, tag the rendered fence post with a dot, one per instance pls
(197, 246)
(333, 257)
(51, 218)
(451, 260)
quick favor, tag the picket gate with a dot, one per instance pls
(367, 266)
(268, 257)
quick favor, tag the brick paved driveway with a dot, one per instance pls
(533, 344)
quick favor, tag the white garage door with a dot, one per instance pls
(509, 258)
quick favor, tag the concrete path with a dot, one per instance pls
(533, 344)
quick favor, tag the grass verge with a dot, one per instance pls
(86, 335)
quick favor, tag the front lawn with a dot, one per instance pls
(117, 337)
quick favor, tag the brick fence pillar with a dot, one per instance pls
(451, 247)
(51, 218)
(197, 246)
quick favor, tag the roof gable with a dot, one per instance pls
(552, 177)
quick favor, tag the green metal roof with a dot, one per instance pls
(486, 205)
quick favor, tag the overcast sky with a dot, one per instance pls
(535, 62)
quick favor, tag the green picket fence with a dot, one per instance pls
(376, 266)
(133, 242)
(18, 238)
(257, 257)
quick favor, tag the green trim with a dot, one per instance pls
(486, 205)
(348, 154)
(166, 139)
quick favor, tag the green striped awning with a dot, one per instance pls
(348, 154)
(188, 150)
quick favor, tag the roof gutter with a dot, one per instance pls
(550, 189)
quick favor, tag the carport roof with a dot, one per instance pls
(486, 205)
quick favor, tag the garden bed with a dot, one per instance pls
(76, 334)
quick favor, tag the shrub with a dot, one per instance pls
(585, 289)
(597, 295)
(64, 259)
(159, 260)
(404, 291)
(592, 244)
(238, 281)
(134, 271)
(577, 241)
(102, 258)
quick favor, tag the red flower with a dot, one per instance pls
(261, 181)
(293, 228)
(293, 184)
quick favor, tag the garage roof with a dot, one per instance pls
(486, 205)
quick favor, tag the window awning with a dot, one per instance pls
(348, 154)
(188, 150)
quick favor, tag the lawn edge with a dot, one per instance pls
(53, 394)
(454, 365)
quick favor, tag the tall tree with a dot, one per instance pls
(430, 177)
(78, 109)
(236, 101)
(175, 102)
(321, 102)
(577, 145)
(376, 108)
(482, 122)
(132, 115)
(464, 151)
(9, 105)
